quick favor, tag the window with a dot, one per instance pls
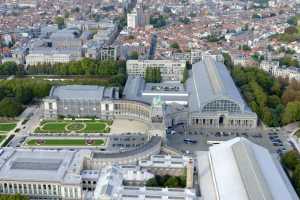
(222, 105)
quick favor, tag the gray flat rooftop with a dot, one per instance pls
(82, 92)
(35, 165)
(136, 89)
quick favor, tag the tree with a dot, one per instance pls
(291, 30)
(8, 68)
(293, 20)
(174, 45)
(134, 55)
(152, 182)
(185, 74)
(245, 47)
(60, 21)
(172, 182)
(289, 61)
(290, 160)
(296, 178)
(10, 108)
(228, 61)
(291, 112)
(23, 95)
(158, 21)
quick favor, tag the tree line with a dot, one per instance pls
(10, 68)
(276, 101)
(15, 94)
(86, 66)
(291, 163)
(111, 72)
(13, 197)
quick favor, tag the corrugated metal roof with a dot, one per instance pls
(210, 80)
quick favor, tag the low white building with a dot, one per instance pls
(52, 56)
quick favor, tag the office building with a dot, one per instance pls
(215, 101)
(170, 70)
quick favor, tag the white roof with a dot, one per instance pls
(242, 170)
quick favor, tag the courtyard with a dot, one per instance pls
(74, 126)
(130, 126)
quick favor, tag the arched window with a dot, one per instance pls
(221, 105)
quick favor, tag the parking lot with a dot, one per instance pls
(272, 139)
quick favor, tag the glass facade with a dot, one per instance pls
(222, 105)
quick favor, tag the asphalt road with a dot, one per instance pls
(258, 136)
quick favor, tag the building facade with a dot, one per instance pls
(273, 68)
(215, 101)
(50, 58)
(171, 70)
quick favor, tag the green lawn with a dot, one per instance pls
(92, 126)
(55, 126)
(2, 137)
(5, 127)
(96, 126)
(64, 142)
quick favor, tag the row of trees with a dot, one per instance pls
(110, 72)
(158, 21)
(14, 94)
(261, 91)
(9, 68)
(276, 101)
(153, 75)
(291, 162)
(291, 98)
(167, 181)
(85, 66)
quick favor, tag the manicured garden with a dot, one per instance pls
(68, 126)
(65, 142)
